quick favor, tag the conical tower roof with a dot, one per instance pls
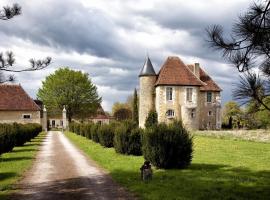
(148, 69)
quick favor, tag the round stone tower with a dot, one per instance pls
(147, 78)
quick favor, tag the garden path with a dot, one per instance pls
(62, 171)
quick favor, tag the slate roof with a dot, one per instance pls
(14, 98)
(175, 72)
(148, 69)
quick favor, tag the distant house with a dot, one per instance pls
(182, 92)
(17, 106)
(56, 120)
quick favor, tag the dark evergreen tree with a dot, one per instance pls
(152, 119)
(135, 113)
(248, 47)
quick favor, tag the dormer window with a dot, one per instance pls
(189, 94)
(170, 113)
(169, 93)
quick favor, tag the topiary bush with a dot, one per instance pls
(168, 146)
(151, 119)
(16, 135)
(127, 139)
(106, 135)
(94, 132)
(88, 130)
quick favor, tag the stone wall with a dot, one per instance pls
(182, 109)
(207, 120)
(147, 85)
(17, 116)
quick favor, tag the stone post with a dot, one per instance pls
(218, 113)
(44, 120)
(65, 122)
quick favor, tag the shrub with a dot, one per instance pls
(16, 135)
(88, 130)
(106, 135)
(127, 139)
(72, 127)
(168, 146)
(94, 132)
(152, 119)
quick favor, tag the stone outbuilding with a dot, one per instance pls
(182, 92)
(17, 106)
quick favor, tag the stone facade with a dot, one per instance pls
(187, 99)
(147, 102)
(20, 117)
(210, 114)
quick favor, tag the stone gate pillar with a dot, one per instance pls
(44, 120)
(65, 122)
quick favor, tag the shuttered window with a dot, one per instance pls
(169, 93)
(189, 94)
(209, 97)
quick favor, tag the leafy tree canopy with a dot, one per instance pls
(73, 89)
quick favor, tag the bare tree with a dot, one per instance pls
(247, 48)
(7, 61)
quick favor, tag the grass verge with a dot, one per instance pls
(15, 163)
(221, 169)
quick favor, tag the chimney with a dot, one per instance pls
(196, 69)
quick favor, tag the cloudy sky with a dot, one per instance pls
(110, 39)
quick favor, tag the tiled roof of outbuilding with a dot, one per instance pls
(14, 98)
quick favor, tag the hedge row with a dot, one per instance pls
(16, 135)
(165, 146)
(124, 136)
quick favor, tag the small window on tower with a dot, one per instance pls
(169, 91)
(209, 113)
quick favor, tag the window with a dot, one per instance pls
(192, 113)
(170, 113)
(26, 116)
(189, 94)
(209, 97)
(53, 123)
(169, 91)
(209, 113)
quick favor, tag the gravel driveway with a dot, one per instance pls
(61, 171)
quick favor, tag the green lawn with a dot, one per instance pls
(221, 169)
(15, 163)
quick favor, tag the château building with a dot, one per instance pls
(181, 92)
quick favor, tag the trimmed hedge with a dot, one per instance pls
(16, 135)
(127, 139)
(168, 146)
(165, 146)
(106, 135)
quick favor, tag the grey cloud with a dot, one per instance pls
(66, 25)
